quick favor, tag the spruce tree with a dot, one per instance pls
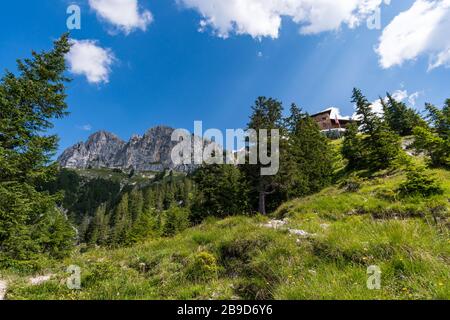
(29, 101)
(307, 163)
(400, 119)
(144, 226)
(221, 191)
(266, 115)
(136, 203)
(353, 148)
(122, 222)
(381, 146)
(98, 231)
(434, 139)
(367, 118)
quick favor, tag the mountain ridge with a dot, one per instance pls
(149, 152)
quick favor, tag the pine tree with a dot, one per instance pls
(307, 166)
(83, 228)
(367, 118)
(439, 119)
(54, 235)
(136, 203)
(149, 199)
(353, 148)
(122, 222)
(175, 220)
(98, 231)
(401, 119)
(381, 146)
(28, 104)
(144, 226)
(266, 115)
(221, 191)
(385, 147)
(434, 139)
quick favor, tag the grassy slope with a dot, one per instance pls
(406, 239)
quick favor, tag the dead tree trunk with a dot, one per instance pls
(262, 203)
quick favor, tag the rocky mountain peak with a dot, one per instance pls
(104, 136)
(151, 152)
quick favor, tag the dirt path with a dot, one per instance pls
(3, 287)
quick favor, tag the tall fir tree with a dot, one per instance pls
(353, 148)
(29, 102)
(221, 191)
(306, 165)
(136, 203)
(400, 119)
(379, 144)
(434, 139)
(366, 116)
(122, 222)
(98, 231)
(267, 114)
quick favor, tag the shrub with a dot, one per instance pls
(420, 183)
(202, 267)
(98, 272)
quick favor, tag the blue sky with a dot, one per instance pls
(168, 72)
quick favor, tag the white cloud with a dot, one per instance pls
(125, 15)
(422, 29)
(412, 99)
(262, 18)
(399, 95)
(86, 127)
(90, 60)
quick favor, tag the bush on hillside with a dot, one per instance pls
(202, 267)
(420, 183)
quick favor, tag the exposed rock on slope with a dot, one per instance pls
(151, 152)
(100, 150)
(3, 287)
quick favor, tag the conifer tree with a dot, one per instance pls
(379, 144)
(136, 204)
(98, 231)
(221, 191)
(175, 220)
(122, 222)
(367, 118)
(353, 148)
(307, 164)
(434, 139)
(144, 226)
(266, 115)
(29, 101)
(399, 117)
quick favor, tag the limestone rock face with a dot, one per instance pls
(151, 152)
(100, 150)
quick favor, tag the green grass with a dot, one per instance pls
(236, 258)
